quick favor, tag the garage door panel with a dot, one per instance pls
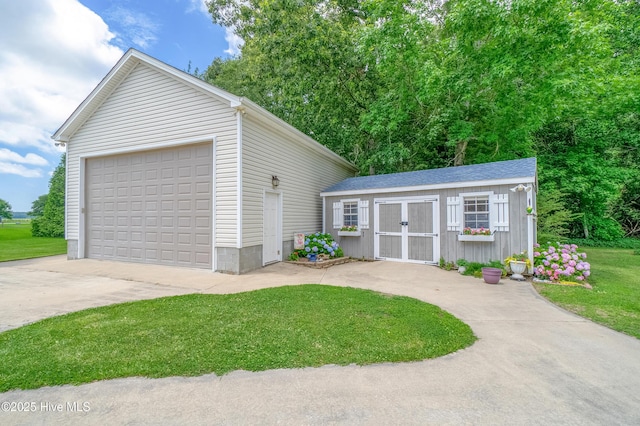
(156, 204)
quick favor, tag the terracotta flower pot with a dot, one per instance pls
(491, 275)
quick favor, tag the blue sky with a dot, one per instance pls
(54, 52)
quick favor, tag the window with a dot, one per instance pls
(350, 213)
(476, 212)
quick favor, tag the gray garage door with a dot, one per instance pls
(151, 206)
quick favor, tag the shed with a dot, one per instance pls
(479, 213)
(164, 168)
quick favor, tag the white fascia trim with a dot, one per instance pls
(448, 185)
(239, 113)
(429, 198)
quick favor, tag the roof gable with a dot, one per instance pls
(444, 177)
(133, 57)
(115, 77)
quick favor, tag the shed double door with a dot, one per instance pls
(406, 230)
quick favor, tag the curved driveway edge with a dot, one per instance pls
(533, 363)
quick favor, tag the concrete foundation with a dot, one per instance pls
(72, 249)
(233, 260)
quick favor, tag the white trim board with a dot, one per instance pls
(448, 185)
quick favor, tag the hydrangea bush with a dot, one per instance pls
(319, 243)
(560, 262)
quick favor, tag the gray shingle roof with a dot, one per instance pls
(477, 172)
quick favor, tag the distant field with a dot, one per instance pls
(17, 243)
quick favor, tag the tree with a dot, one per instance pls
(37, 207)
(51, 223)
(400, 85)
(5, 210)
(479, 77)
(300, 62)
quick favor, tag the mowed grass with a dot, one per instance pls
(17, 243)
(614, 300)
(285, 327)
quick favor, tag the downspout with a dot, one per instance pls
(240, 111)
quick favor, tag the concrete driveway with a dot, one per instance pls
(533, 363)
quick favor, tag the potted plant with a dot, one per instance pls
(491, 275)
(518, 263)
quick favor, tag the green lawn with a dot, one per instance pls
(615, 298)
(284, 327)
(16, 243)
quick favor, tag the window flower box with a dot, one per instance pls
(477, 238)
(349, 233)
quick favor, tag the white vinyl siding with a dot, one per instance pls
(303, 172)
(151, 109)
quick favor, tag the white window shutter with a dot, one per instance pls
(337, 215)
(500, 212)
(454, 214)
(363, 214)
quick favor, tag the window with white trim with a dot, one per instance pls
(352, 212)
(476, 212)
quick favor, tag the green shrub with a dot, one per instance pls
(318, 243)
(475, 268)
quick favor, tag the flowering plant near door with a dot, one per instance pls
(318, 244)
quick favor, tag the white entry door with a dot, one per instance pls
(406, 229)
(271, 235)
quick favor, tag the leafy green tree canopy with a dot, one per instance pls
(51, 223)
(37, 207)
(5, 210)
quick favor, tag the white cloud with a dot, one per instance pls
(137, 26)
(52, 54)
(234, 40)
(199, 5)
(20, 170)
(30, 158)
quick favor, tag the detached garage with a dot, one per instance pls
(478, 213)
(164, 168)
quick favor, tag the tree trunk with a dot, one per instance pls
(585, 228)
(461, 148)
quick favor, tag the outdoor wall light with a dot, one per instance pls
(275, 181)
(521, 188)
(62, 144)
